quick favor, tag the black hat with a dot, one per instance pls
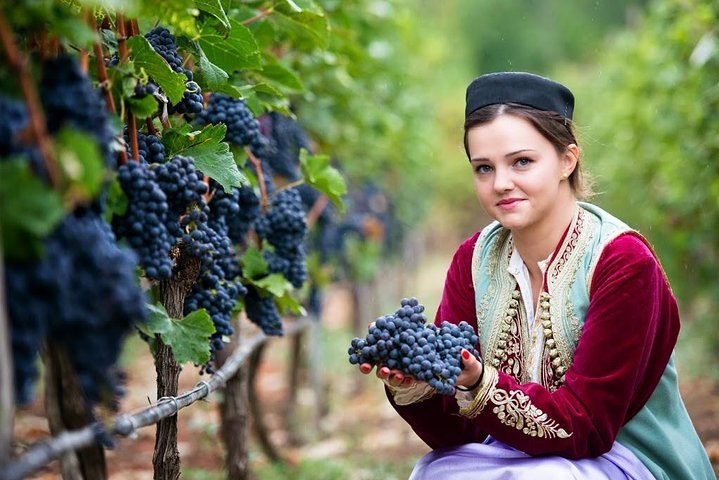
(519, 87)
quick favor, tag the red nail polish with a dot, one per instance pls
(365, 368)
(465, 354)
(384, 371)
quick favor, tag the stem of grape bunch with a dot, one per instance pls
(260, 178)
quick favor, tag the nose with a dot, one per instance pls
(503, 180)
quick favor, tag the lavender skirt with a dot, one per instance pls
(493, 460)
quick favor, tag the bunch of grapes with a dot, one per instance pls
(145, 223)
(285, 228)
(150, 147)
(13, 121)
(239, 208)
(68, 98)
(182, 184)
(405, 342)
(285, 139)
(83, 295)
(218, 287)
(242, 127)
(262, 311)
(164, 43)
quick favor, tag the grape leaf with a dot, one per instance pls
(143, 107)
(276, 73)
(116, 200)
(214, 8)
(304, 21)
(188, 338)
(253, 263)
(211, 155)
(236, 51)
(208, 74)
(81, 163)
(274, 283)
(146, 58)
(288, 304)
(29, 210)
(320, 174)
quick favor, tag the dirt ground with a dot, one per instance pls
(359, 425)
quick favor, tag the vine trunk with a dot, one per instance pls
(166, 457)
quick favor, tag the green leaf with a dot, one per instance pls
(274, 283)
(281, 75)
(208, 74)
(303, 20)
(211, 155)
(320, 174)
(29, 210)
(158, 321)
(116, 200)
(253, 263)
(146, 58)
(289, 304)
(143, 107)
(233, 52)
(81, 163)
(214, 8)
(188, 338)
(75, 30)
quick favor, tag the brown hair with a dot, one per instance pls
(558, 130)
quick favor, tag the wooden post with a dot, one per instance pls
(166, 458)
(258, 420)
(234, 427)
(66, 410)
(295, 366)
(7, 389)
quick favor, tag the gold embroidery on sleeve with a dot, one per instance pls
(515, 409)
(481, 395)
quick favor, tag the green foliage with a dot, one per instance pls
(211, 155)
(187, 337)
(368, 99)
(28, 210)
(81, 163)
(145, 58)
(535, 36)
(318, 172)
(655, 132)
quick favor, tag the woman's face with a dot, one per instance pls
(520, 179)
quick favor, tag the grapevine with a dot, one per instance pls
(81, 294)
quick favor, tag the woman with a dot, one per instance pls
(576, 320)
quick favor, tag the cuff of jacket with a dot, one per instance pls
(472, 403)
(415, 393)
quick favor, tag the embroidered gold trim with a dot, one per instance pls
(481, 394)
(515, 409)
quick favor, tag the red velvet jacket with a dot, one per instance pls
(629, 334)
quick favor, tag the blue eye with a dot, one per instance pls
(523, 161)
(483, 168)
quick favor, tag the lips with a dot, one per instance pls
(508, 203)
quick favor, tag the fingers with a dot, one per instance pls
(365, 368)
(472, 370)
(467, 358)
(394, 378)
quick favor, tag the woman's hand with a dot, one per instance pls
(472, 371)
(393, 378)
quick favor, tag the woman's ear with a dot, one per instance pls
(569, 159)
